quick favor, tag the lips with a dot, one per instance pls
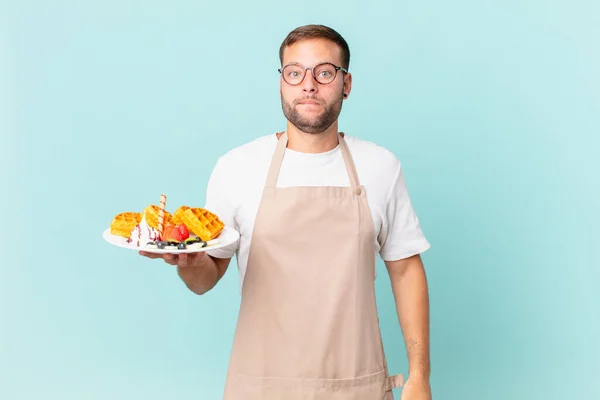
(308, 100)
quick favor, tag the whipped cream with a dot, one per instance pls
(143, 233)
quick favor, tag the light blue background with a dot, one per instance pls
(492, 106)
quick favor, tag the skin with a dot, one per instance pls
(409, 284)
(309, 53)
(312, 110)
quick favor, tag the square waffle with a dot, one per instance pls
(152, 216)
(202, 223)
(176, 220)
(123, 223)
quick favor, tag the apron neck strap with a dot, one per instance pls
(280, 151)
(350, 166)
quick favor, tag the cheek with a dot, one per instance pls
(288, 94)
(332, 94)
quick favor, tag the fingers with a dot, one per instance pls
(171, 259)
(180, 260)
(168, 258)
(150, 255)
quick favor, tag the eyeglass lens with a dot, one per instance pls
(323, 73)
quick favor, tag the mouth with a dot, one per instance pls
(309, 101)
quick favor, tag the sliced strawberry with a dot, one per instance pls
(169, 232)
(183, 232)
(175, 232)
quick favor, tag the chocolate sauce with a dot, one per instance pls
(152, 236)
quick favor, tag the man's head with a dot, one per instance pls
(309, 52)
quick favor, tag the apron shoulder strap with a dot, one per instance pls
(349, 161)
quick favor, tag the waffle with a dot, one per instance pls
(124, 223)
(152, 216)
(176, 220)
(202, 223)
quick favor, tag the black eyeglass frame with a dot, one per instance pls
(312, 72)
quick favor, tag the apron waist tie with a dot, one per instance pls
(394, 381)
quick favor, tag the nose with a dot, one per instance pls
(309, 84)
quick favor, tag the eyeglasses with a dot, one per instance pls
(323, 73)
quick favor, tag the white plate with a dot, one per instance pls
(226, 237)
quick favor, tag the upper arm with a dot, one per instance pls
(401, 236)
(221, 202)
(397, 268)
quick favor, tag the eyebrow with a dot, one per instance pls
(318, 63)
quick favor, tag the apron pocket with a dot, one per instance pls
(366, 387)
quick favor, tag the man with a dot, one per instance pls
(314, 207)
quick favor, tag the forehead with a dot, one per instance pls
(312, 51)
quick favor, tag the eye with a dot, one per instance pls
(293, 72)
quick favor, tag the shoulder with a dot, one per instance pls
(372, 158)
(249, 150)
(379, 171)
(245, 158)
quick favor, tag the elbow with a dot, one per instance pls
(197, 290)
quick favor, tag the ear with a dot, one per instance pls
(347, 85)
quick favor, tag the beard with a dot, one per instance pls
(314, 125)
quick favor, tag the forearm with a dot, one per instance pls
(409, 284)
(202, 277)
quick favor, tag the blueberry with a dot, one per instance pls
(181, 246)
(160, 245)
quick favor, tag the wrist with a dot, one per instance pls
(200, 276)
(419, 374)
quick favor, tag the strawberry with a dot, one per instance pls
(175, 232)
(167, 233)
(183, 232)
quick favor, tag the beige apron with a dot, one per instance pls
(308, 327)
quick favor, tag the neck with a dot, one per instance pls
(310, 142)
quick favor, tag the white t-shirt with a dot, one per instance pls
(236, 184)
